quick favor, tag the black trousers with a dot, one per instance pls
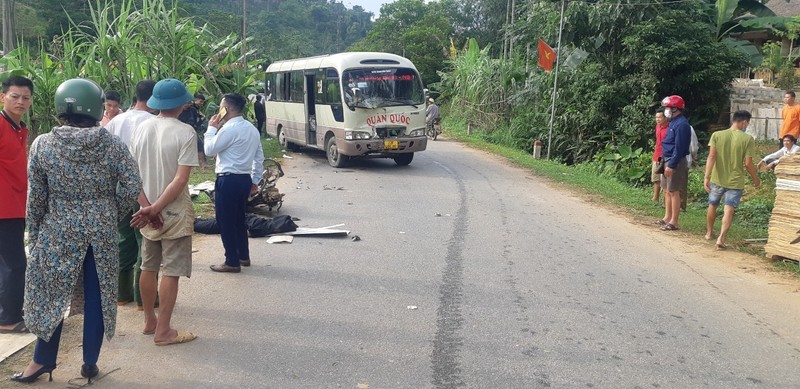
(260, 126)
(12, 270)
(230, 201)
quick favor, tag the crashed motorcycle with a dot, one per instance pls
(266, 196)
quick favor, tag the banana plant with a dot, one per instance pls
(742, 15)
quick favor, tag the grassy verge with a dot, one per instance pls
(202, 203)
(747, 225)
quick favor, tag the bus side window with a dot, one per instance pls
(269, 86)
(333, 94)
(296, 80)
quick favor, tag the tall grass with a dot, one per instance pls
(121, 46)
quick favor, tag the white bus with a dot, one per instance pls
(348, 104)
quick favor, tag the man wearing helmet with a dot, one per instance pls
(675, 147)
(432, 112)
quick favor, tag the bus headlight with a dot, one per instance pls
(357, 135)
(419, 132)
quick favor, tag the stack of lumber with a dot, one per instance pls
(784, 224)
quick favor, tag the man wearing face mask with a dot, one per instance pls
(675, 148)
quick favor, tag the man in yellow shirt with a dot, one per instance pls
(730, 154)
(790, 115)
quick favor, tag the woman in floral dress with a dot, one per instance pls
(79, 174)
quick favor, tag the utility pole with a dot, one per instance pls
(244, 32)
(555, 78)
(505, 28)
(9, 27)
(513, 19)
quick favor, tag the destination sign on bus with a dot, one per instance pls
(385, 77)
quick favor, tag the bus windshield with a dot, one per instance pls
(382, 87)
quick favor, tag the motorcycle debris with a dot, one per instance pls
(356, 238)
(437, 214)
(411, 307)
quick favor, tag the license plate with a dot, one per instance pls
(391, 145)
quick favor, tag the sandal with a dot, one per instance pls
(669, 227)
(660, 222)
(181, 337)
(19, 328)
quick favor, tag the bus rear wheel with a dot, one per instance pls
(335, 159)
(403, 159)
(285, 144)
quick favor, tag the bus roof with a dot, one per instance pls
(341, 61)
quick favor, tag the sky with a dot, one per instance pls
(373, 6)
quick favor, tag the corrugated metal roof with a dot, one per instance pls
(785, 8)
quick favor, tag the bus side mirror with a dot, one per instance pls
(425, 91)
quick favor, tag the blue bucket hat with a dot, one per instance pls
(169, 94)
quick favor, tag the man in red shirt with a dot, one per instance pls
(661, 129)
(16, 96)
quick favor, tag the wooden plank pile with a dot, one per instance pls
(784, 224)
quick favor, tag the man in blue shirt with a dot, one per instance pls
(240, 166)
(675, 149)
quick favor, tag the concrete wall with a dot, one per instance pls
(764, 103)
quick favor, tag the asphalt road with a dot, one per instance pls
(469, 273)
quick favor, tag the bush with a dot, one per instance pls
(754, 213)
(627, 165)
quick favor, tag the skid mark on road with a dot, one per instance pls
(449, 321)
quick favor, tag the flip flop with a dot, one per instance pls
(182, 337)
(18, 329)
(660, 222)
(669, 227)
(722, 246)
(148, 332)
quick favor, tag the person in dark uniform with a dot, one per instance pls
(261, 113)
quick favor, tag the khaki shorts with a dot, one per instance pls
(173, 257)
(679, 179)
(654, 177)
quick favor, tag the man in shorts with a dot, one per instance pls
(661, 130)
(731, 152)
(675, 148)
(166, 150)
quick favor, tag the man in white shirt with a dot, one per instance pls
(166, 150)
(130, 239)
(240, 166)
(789, 147)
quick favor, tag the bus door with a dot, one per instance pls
(311, 115)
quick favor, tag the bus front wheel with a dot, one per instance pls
(404, 159)
(335, 159)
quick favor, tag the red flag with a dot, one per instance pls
(546, 56)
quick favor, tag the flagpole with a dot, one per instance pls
(555, 81)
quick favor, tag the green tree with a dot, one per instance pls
(415, 30)
(124, 44)
(631, 56)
